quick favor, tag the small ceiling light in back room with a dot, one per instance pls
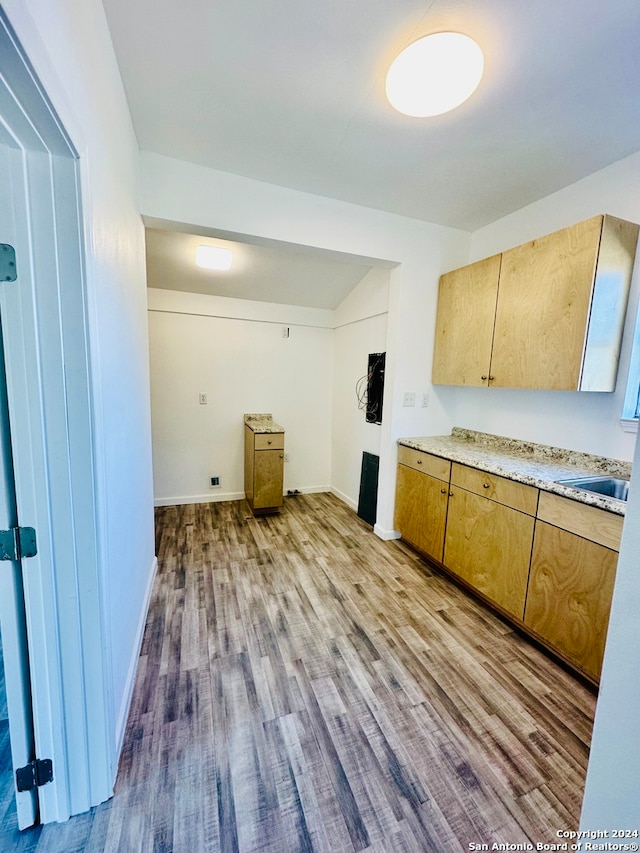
(434, 74)
(213, 258)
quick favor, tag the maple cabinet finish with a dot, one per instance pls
(425, 462)
(545, 561)
(422, 491)
(263, 470)
(508, 492)
(569, 595)
(464, 325)
(590, 522)
(548, 314)
(489, 534)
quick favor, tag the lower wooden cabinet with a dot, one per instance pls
(489, 535)
(488, 545)
(569, 598)
(421, 510)
(543, 560)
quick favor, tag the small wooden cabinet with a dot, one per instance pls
(422, 491)
(263, 465)
(573, 569)
(548, 314)
(490, 525)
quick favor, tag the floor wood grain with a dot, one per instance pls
(304, 686)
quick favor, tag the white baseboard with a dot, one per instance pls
(227, 496)
(385, 534)
(199, 499)
(344, 498)
(123, 714)
(311, 490)
(380, 532)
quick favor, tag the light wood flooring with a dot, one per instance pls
(304, 686)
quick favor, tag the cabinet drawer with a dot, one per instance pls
(508, 492)
(269, 441)
(590, 522)
(425, 462)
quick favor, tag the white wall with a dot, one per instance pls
(183, 192)
(612, 791)
(69, 46)
(580, 421)
(233, 350)
(361, 328)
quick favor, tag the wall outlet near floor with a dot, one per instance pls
(214, 482)
(425, 400)
(408, 398)
(286, 457)
(202, 398)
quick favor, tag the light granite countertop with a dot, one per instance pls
(536, 465)
(262, 423)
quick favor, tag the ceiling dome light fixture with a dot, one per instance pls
(213, 258)
(434, 74)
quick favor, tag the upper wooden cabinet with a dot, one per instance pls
(464, 328)
(548, 314)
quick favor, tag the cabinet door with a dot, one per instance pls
(570, 593)
(464, 324)
(543, 309)
(489, 546)
(268, 478)
(421, 510)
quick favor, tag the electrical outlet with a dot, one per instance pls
(214, 482)
(285, 331)
(202, 398)
(408, 398)
(286, 457)
(425, 400)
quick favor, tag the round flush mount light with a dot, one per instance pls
(434, 74)
(213, 258)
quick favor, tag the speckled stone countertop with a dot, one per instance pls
(535, 464)
(262, 423)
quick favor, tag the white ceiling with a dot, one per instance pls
(293, 93)
(265, 271)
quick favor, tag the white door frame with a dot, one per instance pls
(48, 385)
(12, 616)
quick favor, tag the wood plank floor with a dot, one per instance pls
(304, 686)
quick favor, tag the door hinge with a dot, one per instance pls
(17, 543)
(8, 270)
(34, 775)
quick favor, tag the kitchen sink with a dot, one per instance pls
(610, 487)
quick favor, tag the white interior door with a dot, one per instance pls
(12, 610)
